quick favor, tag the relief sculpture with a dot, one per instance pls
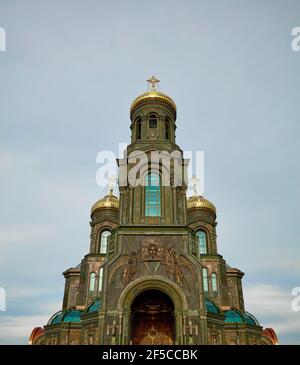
(151, 258)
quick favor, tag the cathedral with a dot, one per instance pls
(153, 274)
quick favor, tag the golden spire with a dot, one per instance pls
(152, 81)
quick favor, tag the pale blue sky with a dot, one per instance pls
(67, 79)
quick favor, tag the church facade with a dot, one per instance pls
(153, 273)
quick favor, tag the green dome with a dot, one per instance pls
(94, 307)
(70, 315)
(56, 318)
(211, 307)
(234, 316)
(250, 319)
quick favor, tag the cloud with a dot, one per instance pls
(23, 234)
(16, 330)
(272, 306)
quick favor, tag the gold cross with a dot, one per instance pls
(152, 83)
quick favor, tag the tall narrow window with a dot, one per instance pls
(214, 284)
(152, 121)
(167, 130)
(205, 279)
(152, 195)
(202, 242)
(103, 241)
(100, 282)
(138, 128)
(92, 281)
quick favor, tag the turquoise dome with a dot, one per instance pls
(250, 319)
(94, 307)
(56, 318)
(211, 307)
(234, 316)
(70, 315)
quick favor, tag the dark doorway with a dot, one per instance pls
(152, 319)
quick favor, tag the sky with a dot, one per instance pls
(67, 78)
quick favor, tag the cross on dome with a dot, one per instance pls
(153, 83)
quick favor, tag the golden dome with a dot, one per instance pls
(109, 201)
(153, 95)
(197, 201)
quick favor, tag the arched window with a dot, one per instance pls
(100, 282)
(202, 242)
(152, 121)
(205, 279)
(92, 281)
(214, 284)
(138, 125)
(103, 241)
(167, 130)
(152, 195)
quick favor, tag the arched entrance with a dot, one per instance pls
(152, 319)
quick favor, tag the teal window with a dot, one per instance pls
(202, 242)
(103, 241)
(152, 195)
(205, 279)
(100, 282)
(92, 281)
(214, 284)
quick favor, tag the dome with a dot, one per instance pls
(70, 315)
(94, 307)
(250, 319)
(153, 95)
(197, 201)
(234, 316)
(211, 307)
(109, 201)
(56, 318)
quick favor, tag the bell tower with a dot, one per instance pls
(153, 172)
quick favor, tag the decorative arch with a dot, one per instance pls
(153, 120)
(138, 127)
(201, 226)
(103, 238)
(154, 282)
